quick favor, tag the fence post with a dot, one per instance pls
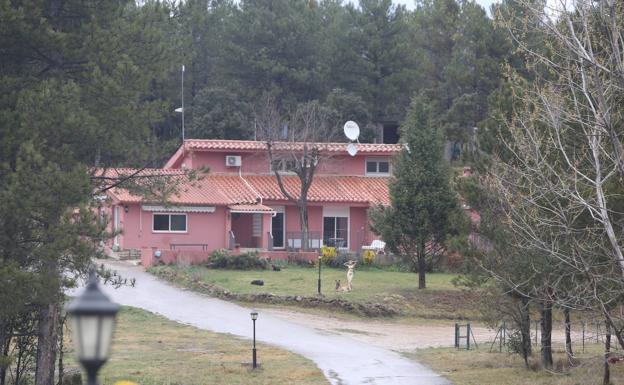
(583, 326)
(457, 335)
(468, 336)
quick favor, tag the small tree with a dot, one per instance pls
(422, 201)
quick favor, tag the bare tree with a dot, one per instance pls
(295, 143)
(563, 183)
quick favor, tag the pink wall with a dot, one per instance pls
(360, 230)
(180, 257)
(253, 163)
(202, 228)
(258, 163)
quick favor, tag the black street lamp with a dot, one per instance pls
(319, 278)
(254, 317)
(93, 321)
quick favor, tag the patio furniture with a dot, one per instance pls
(377, 245)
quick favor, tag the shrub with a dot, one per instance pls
(221, 259)
(368, 257)
(328, 255)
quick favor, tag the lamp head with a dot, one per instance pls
(254, 315)
(93, 321)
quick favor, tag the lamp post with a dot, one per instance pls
(93, 321)
(254, 317)
(319, 278)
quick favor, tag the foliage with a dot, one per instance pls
(328, 254)
(422, 200)
(368, 257)
(78, 81)
(220, 114)
(222, 259)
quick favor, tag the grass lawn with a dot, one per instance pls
(151, 350)
(440, 300)
(480, 367)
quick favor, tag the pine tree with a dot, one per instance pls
(422, 200)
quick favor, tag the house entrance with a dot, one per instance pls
(247, 229)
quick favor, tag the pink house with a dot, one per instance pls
(238, 204)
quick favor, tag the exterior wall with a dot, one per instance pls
(252, 163)
(258, 163)
(202, 228)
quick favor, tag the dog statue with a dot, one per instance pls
(340, 287)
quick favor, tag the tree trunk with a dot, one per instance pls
(303, 220)
(606, 379)
(546, 324)
(5, 343)
(422, 266)
(525, 330)
(568, 338)
(46, 344)
(61, 335)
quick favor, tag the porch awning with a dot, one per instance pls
(251, 209)
(179, 209)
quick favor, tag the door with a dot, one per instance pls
(277, 226)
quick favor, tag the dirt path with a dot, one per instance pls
(399, 337)
(396, 336)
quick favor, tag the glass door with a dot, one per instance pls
(277, 226)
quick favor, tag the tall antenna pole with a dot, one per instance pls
(182, 103)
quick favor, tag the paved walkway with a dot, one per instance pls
(343, 360)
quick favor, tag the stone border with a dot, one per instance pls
(365, 309)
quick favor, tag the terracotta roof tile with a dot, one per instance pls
(250, 145)
(220, 189)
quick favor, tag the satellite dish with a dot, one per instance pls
(351, 130)
(352, 149)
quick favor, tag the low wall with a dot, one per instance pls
(192, 257)
(177, 257)
(291, 256)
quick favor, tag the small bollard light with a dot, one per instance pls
(254, 317)
(93, 322)
(319, 277)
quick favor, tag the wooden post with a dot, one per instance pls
(583, 325)
(468, 336)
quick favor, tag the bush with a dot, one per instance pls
(368, 257)
(328, 255)
(221, 259)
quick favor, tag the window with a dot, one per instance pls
(377, 167)
(283, 165)
(169, 223)
(336, 231)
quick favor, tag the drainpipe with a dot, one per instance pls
(240, 174)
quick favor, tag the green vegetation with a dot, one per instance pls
(481, 367)
(151, 350)
(399, 289)
(423, 204)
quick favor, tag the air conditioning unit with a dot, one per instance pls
(233, 161)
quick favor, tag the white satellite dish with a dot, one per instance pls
(352, 149)
(351, 130)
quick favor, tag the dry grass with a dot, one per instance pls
(484, 368)
(151, 350)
